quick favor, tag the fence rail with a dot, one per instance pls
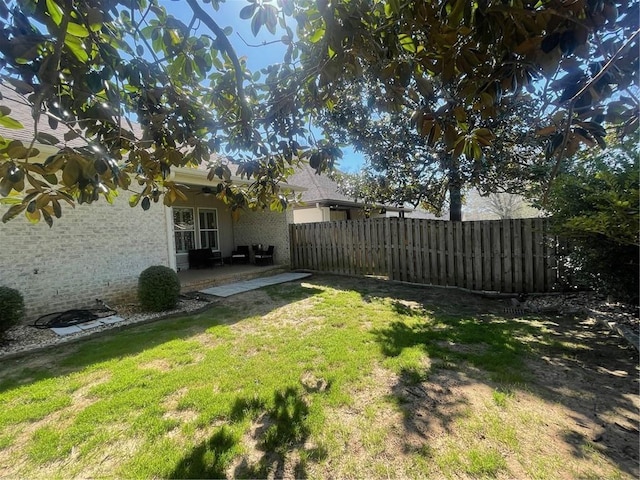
(497, 255)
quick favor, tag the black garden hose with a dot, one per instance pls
(70, 318)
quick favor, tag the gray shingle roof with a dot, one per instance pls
(21, 111)
(319, 187)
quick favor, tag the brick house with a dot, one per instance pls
(97, 251)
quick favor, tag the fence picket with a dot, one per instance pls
(517, 252)
(507, 255)
(467, 240)
(417, 251)
(344, 248)
(487, 276)
(449, 249)
(477, 255)
(539, 256)
(458, 238)
(402, 251)
(395, 250)
(362, 248)
(507, 238)
(496, 256)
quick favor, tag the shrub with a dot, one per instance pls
(158, 288)
(11, 308)
(595, 206)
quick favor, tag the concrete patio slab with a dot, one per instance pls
(248, 285)
(89, 325)
(62, 331)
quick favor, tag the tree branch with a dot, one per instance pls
(226, 46)
(572, 102)
(605, 67)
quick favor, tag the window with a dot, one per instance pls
(208, 224)
(184, 229)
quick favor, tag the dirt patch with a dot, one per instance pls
(596, 387)
(172, 411)
(116, 453)
(159, 364)
(314, 384)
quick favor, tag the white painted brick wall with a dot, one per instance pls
(93, 251)
(268, 228)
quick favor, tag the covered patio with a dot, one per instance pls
(193, 280)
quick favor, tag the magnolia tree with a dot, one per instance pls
(127, 92)
(131, 92)
(450, 69)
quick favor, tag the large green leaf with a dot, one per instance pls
(248, 11)
(317, 35)
(76, 47)
(77, 30)
(9, 122)
(55, 12)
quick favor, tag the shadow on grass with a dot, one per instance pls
(278, 430)
(563, 360)
(210, 459)
(129, 340)
(567, 360)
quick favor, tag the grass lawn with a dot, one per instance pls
(329, 377)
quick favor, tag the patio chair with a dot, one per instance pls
(202, 258)
(264, 257)
(240, 254)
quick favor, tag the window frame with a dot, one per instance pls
(216, 230)
(184, 231)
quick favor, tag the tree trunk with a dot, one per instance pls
(455, 195)
(455, 200)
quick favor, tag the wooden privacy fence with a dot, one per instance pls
(497, 255)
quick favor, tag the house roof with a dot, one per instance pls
(319, 188)
(322, 190)
(21, 110)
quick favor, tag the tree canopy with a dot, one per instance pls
(135, 92)
(405, 166)
(451, 69)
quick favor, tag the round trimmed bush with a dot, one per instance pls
(11, 308)
(158, 288)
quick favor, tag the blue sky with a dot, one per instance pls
(259, 51)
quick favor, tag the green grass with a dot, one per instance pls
(183, 395)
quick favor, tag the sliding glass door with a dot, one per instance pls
(193, 232)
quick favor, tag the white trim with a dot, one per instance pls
(171, 238)
(195, 220)
(194, 176)
(199, 230)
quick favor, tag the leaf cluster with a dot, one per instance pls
(124, 93)
(449, 70)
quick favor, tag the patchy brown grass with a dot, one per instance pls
(428, 403)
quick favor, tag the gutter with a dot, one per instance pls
(342, 203)
(193, 176)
